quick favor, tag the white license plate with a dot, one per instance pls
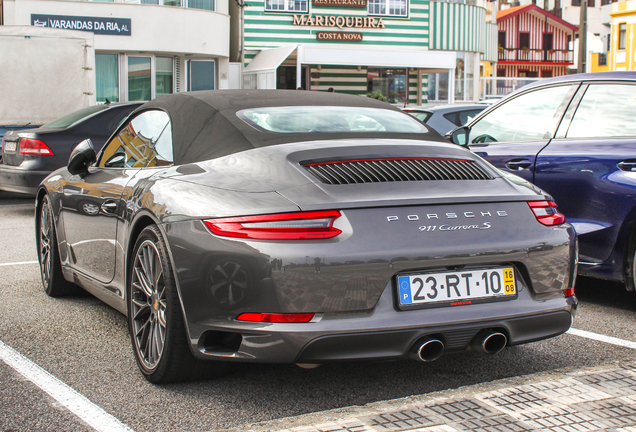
(10, 146)
(457, 288)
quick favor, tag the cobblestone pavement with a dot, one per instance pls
(590, 400)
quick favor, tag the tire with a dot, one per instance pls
(155, 319)
(48, 254)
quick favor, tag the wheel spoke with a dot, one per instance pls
(144, 285)
(149, 305)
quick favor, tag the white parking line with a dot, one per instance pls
(602, 338)
(79, 405)
(19, 263)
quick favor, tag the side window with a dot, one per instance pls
(606, 110)
(145, 141)
(466, 116)
(530, 116)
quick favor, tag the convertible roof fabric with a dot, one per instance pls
(205, 125)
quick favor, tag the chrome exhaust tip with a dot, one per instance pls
(427, 350)
(489, 342)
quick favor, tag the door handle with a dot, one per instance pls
(518, 164)
(109, 206)
(627, 165)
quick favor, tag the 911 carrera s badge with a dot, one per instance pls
(431, 228)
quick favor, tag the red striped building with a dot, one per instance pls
(533, 43)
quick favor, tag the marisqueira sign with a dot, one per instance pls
(338, 21)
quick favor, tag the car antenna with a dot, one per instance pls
(107, 101)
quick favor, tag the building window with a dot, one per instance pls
(192, 4)
(201, 4)
(164, 76)
(622, 32)
(162, 2)
(139, 79)
(388, 7)
(502, 39)
(107, 77)
(390, 83)
(286, 5)
(200, 75)
(149, 77)
(438, 87)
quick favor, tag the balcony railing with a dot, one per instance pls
(536, 55)
(492, 87)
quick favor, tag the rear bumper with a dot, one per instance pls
(384, 334)
(13, 179)
(396, 344)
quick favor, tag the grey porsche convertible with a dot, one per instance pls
(301, 227)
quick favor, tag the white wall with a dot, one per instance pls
(164, 29)
(50, 73)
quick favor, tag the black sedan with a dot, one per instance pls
(30, 155)
(299, 227)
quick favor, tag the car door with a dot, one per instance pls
(590, 166)
(512, 134)
(93, 203)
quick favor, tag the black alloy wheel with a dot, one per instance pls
(155, 320)
(48, 254)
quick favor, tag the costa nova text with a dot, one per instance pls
(338, 21)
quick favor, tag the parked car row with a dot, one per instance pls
(262, 226)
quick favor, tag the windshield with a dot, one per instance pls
(73, 117)
(308, 119)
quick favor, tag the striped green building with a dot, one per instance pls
(408, 51)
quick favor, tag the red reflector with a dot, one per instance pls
(276, 318)
(34, 147)
(284, 226)
(568, 292)
(546, 212)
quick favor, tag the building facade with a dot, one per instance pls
(533, 43)
(143, 48)
(621, 48)
(407, 51)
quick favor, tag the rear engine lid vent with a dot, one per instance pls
(396, 170)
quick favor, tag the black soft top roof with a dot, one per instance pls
(205, 125)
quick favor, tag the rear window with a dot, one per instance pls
(422, 116)
(308, 119)
(69, 119)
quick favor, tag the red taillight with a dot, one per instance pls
(568, 292)
(285, 226)
(276, 318)
(546, 212)
(34, 147)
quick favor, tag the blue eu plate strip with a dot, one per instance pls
(404, 285)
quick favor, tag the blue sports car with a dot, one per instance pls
(575, 137)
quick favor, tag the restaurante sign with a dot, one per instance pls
(338, 21)
(341, 3)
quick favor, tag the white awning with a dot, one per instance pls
(378, 57)
(269, 59)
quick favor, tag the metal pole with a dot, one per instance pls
(582, 38)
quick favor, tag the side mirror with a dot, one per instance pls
(459, 136)
(82, 156)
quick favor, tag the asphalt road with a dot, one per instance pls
(85, 344)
